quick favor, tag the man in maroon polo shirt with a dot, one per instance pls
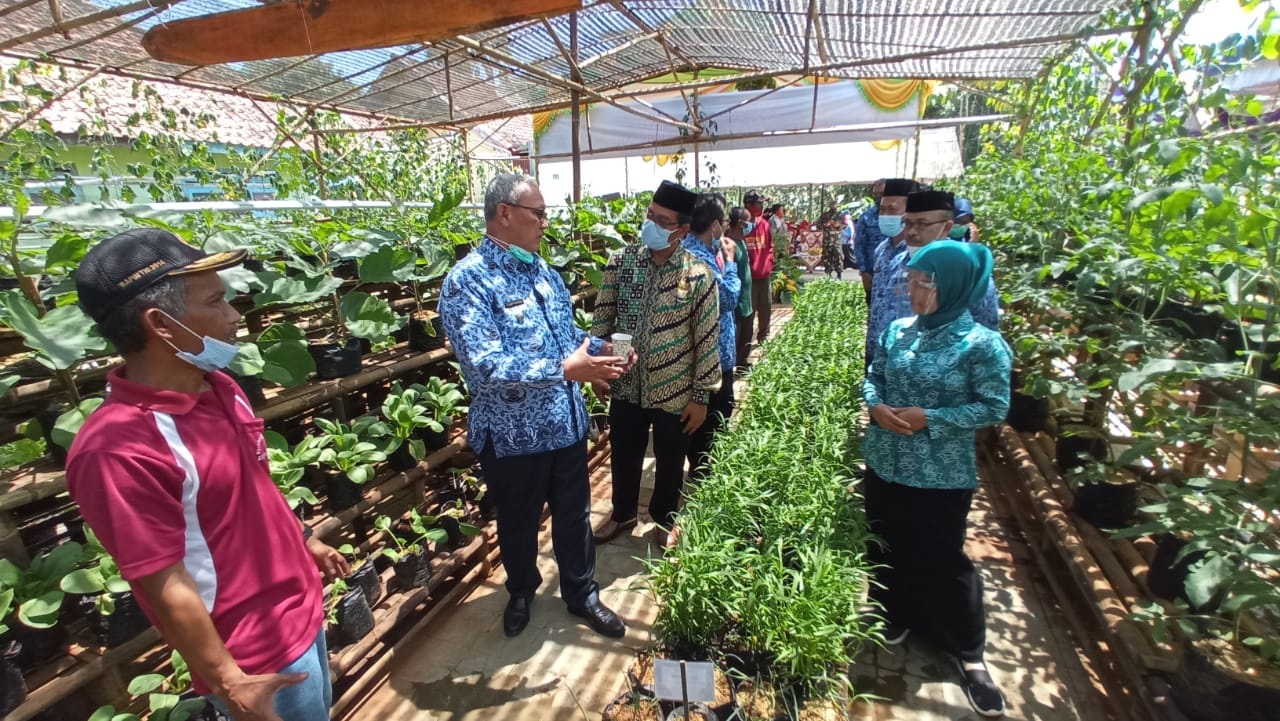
(171, 474)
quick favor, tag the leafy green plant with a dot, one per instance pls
(348, 448)
(38, 589)
(422, 531)
(288, 465)
(406, 411)
(337, 590)
(164, 693)
(100, 576)
(443, 398)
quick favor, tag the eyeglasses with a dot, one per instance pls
(541, 213)
(917, 225)
(662, 224)
(921, 283)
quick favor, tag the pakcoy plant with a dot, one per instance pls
(288, 466)
(407, 413)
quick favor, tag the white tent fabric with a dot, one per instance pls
(1260, 78)
(816, 164)
(735, 120)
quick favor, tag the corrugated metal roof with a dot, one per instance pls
(619, 43)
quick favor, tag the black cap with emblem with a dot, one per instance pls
(119, 268)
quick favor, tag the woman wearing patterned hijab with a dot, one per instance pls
(935, 378)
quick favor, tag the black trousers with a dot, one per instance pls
(925, 581)
(521, 485)
(718, 412)
(629, 426)
(743, 338)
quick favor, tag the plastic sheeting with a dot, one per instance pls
(773, 166)
(735, 120)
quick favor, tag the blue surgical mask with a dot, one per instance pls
(890, 225)
(751, 225)
(958, 231)
(654, 236)
(214, 356)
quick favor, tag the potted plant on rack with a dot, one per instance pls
(348, 615)
(169, 698)
(313, 255)
(288, 467)
(416, 264)
(451, 517)
(13, 688)
(364, 575)
(38, 593)
(407, 415)
(114, 614)
(409, 555)
(445, 401)
(350, 457)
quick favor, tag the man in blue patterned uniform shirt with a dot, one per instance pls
(706, 241)
(510, 319)
(866, 237)
(890, 299)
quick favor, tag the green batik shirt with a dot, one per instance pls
(959, 374)
(672, 313)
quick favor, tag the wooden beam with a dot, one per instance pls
(576, 117)
(310, 27)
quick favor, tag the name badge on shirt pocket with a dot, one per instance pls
(516, 308)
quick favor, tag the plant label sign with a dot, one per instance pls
(700, 679)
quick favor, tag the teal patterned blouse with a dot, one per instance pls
(959, 374)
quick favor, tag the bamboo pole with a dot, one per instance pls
(83, 20)
(569, 85)
(576, 117)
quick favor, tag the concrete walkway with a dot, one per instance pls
(465, 669)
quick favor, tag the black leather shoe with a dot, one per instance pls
(600, 619)
(516, 617)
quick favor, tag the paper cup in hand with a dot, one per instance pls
(621, 344)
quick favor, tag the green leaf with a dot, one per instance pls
(369, 317)
(145, 684)
(8, 381)
(91, 216)
(1168, 151)
(278, 288)
(104, 713)
(62, 338)
(1206, 578)
(162, 702)
(248, 361)
(389, 264)
(42, 612)
(187, 708)
(69, 423)
(83, 581)
(285, 358)
(66, 253)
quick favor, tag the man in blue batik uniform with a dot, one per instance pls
(510, 319)
(923, 223)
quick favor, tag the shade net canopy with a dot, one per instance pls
(525, 66)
